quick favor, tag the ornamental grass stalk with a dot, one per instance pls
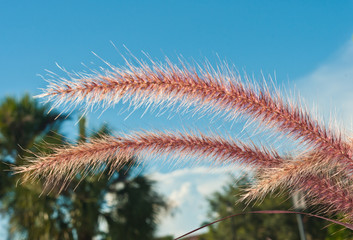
(321, 172)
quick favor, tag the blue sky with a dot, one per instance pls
(308, 44)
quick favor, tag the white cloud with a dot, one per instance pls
(187, 189)
(179, 196)
(330, 86)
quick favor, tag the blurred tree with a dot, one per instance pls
(135, 211)
(262, 226)
(23, 125)
(78, 212)
(128, 205)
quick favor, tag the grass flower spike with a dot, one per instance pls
(65, 163)
(209, 90)
(322, 172)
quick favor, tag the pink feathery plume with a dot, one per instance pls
(169, 85)
(66, 163)
(319, 186)
(322, 190)
(288, 173)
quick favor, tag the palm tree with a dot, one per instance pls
(26, 125)
(132, 211)
(23, 125)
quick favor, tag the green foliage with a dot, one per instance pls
(132, 211)
(77, 212)
(136, 205)
(262, 226)
(23, 123)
